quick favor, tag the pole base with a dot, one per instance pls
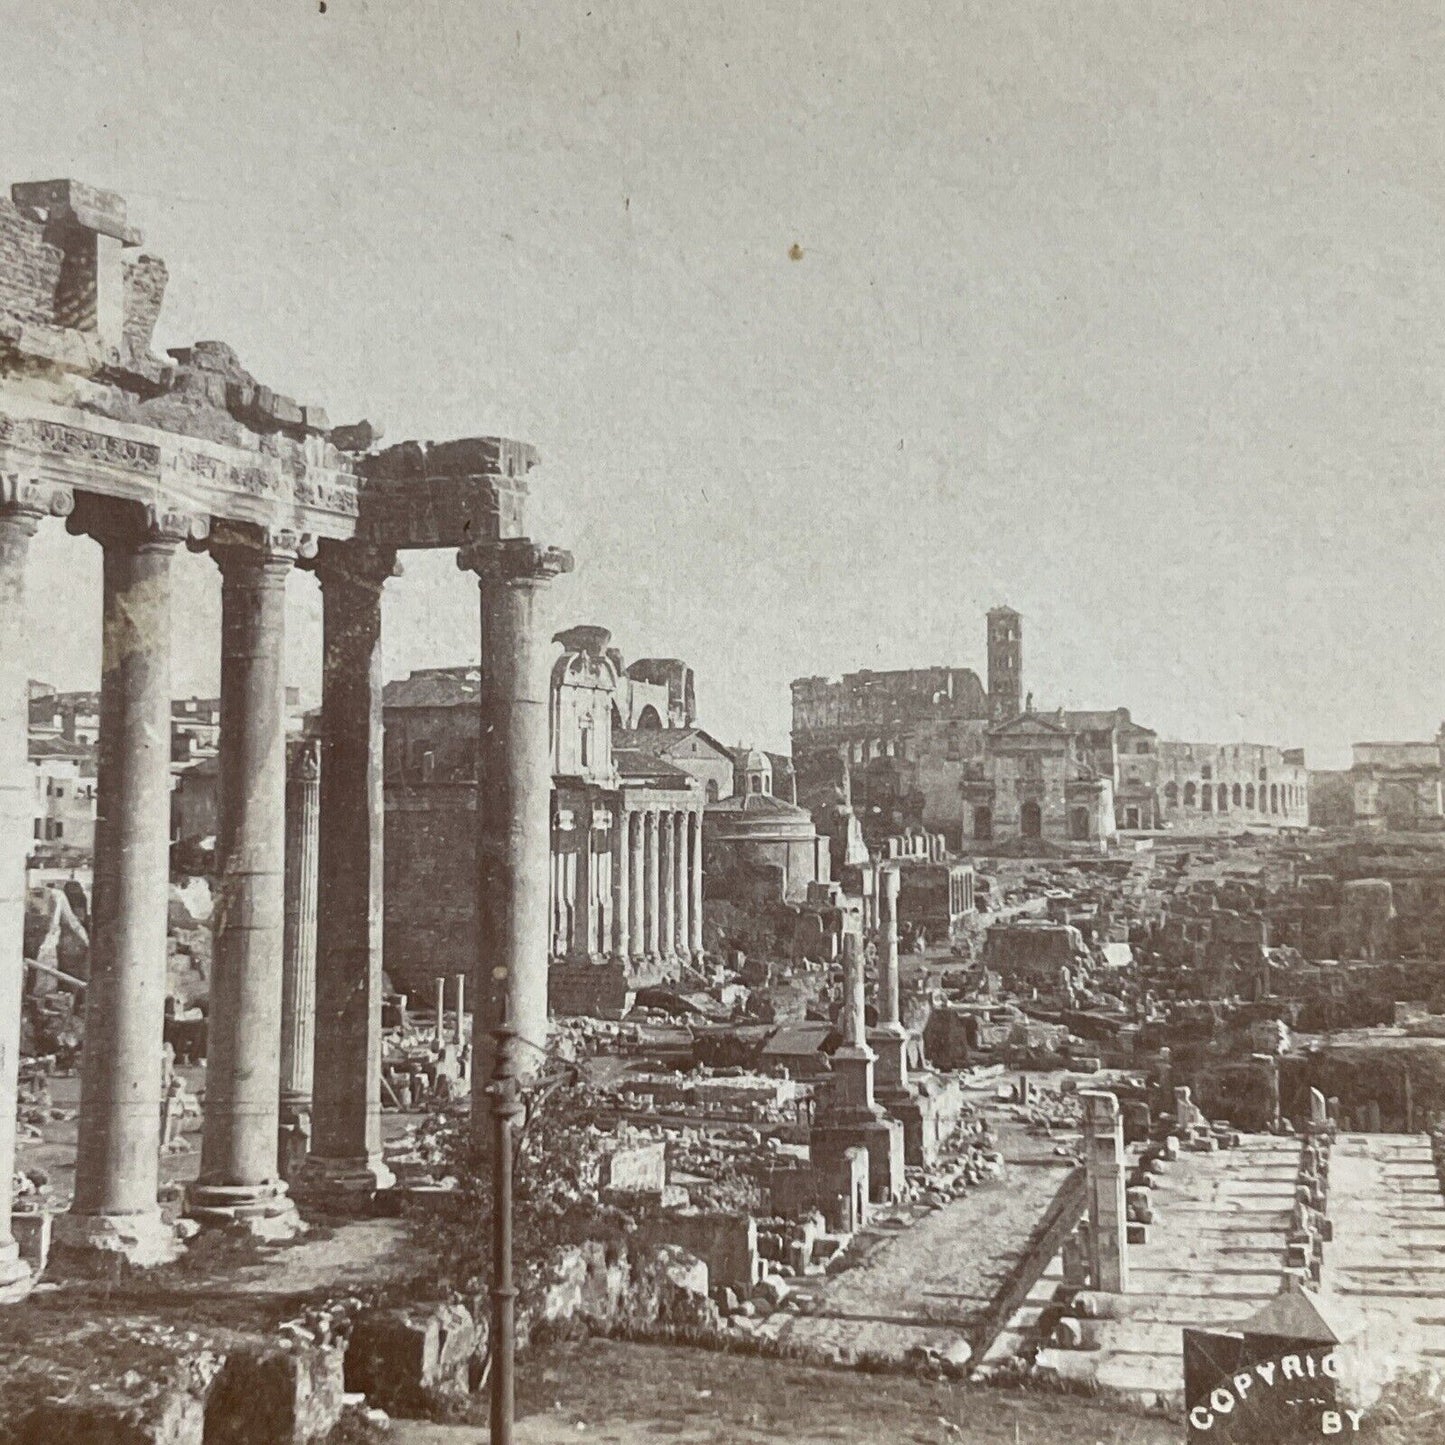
(143, 1238)
(265, 1211)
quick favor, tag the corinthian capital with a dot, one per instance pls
(354, 564)
(114, 522)
(514, 559)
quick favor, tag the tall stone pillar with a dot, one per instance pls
(651, 904)
(853, 1060)
(514, 788)
(346, 1160)
(622, 885)
(298, 955)
(1104, 1172)
(694, 919)
(851, 1116)
(681, 892)
(890, 1039)
(23, 502)
(637, 881)
(667, 885)
(118, 1152)
(238, 1182)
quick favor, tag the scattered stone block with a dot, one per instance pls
(403, 1359)
(1136, 1232)
(136, 1409)
(31, 1229)
(774, 1288)
(270, 1395)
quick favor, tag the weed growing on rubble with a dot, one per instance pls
(556, 1196)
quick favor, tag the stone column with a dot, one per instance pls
(298, 955)
(680, 890)
(346, 1163)
(622, 885)
(514, 789)
(694, 941)
(1104, 1170)
(583, 932)
(651, 903)
(441, 1035)
(667, 885)
(22, 504)
(461, 1009)
(890, 1040)
(118, 1151)
(637, 880)
(238, 1182)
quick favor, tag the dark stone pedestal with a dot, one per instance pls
(881, 1136)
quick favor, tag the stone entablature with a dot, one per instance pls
(62, 449)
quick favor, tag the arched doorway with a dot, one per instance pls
(1031, 820)
(1079, 823)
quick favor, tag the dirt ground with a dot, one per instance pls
(626, 1394)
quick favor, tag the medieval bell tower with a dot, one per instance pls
(1005, 664)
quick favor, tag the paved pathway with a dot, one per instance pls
(928, 1283)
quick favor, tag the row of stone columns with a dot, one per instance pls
(22, 505)
(657, 884)
(263, 1028)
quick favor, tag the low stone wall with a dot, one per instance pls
(726, 1243)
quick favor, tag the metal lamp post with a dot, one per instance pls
(506, 1108)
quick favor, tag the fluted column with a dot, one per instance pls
(650, 920)
(346, 1158)
(514, 788)
(239, 1182)
(637, 880)
(298, 955)
(695, 883)
(580, 944)
(667, 883)
(679, 884)
(23, 502)
(622, 885)
(117, 1166)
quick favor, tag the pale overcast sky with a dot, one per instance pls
(1128, 315)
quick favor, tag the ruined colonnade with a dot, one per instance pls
(657, 883)
(145, 456)
(264, 1018)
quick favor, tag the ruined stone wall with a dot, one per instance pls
(726, 1243)
(431, 744)
(29, 267)
(886, 701)
(430, 885)
(1212, 786)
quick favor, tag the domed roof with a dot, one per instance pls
(756, 761)
(746, 814)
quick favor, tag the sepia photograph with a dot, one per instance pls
(722, 724)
